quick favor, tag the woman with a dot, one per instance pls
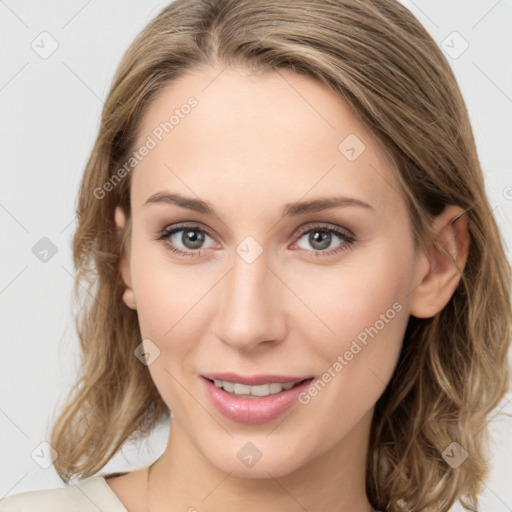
(284, 227)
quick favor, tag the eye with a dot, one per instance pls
(325, 240)
(192, 240)
(186, 240)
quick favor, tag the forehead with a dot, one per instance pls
(220, 133)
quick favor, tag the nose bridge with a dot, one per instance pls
(249, 313)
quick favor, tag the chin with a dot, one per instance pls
(262, 469)
(258, 457)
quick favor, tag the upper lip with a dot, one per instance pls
(253, 380)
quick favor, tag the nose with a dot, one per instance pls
(251, 312)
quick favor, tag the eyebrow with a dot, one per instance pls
(290, 209)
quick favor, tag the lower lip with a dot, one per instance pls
(254, 411)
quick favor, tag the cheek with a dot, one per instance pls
(364, 298)
(174, 308)
(365, 305)
(169, 300)
(368, 315)
(166, 294)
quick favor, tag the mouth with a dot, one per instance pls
(254, 399)
(257, 391)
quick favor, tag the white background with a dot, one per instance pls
(50, 112)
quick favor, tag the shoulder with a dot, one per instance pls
(88, 495)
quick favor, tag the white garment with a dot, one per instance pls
(91, 494)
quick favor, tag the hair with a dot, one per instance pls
(378, 58)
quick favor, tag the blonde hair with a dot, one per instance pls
(376, 56)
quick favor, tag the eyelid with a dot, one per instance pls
(172, 228)
(345, 235)
(326, 225)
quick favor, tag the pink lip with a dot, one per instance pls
(257, 410)
(252, 380)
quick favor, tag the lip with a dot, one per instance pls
(257, 410)
(253, 380)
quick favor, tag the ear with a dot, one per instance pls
(124, 263)
(442, 267)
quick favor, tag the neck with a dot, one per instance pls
(183, 479)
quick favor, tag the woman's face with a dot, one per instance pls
(278, 279)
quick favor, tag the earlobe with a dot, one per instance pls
(129, 298)
(124, 263)
(446, 260)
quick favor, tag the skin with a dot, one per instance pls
(253, 144)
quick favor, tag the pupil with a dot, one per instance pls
(192, 239)
(322, 238)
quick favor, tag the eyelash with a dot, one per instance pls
(348, 239)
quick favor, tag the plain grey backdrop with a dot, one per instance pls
(57, 61)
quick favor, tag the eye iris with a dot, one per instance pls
(192, 239)
(323, 238)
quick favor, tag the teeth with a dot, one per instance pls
(236, 388)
